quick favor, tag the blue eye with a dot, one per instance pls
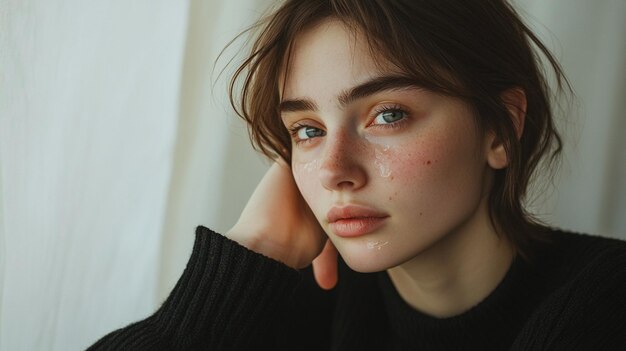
(389, 116)
(302, 133)
(306, 132)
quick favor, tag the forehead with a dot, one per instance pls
(327, 58)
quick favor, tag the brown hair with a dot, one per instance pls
(470, 49)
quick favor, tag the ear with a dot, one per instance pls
(515, 101)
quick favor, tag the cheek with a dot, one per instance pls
(427, 173)
(424, 167)
(305, 175)
(404, 164)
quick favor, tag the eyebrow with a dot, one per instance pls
(368, 88)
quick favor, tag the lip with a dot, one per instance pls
(353, 220)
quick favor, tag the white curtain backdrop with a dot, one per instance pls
(588, 39)
(114, 147)
(88, 112)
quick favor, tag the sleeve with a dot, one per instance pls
(228, 298)
(587, 314)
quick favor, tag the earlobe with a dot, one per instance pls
(515, 101)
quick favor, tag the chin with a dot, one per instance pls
(368, 260)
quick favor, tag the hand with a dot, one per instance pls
(278, 223)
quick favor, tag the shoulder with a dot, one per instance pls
(592, 266)
(585, 309)
(576, 239)
(598, 270)
(585, 253)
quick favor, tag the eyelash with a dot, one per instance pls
(293, 131)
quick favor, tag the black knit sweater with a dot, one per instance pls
(571, 297)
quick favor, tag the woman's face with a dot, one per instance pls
(410, 163)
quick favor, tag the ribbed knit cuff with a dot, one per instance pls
(226, 297)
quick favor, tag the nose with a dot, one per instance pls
(341, 167)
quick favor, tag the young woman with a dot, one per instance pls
(405, 134)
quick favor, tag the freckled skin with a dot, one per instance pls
(435, 165)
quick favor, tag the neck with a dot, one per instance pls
(457, 272)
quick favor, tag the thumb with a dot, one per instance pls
(325, 266)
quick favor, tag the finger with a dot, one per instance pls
(325, 266)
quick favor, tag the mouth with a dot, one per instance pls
(353, 220)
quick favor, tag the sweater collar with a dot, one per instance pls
(492, 324)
